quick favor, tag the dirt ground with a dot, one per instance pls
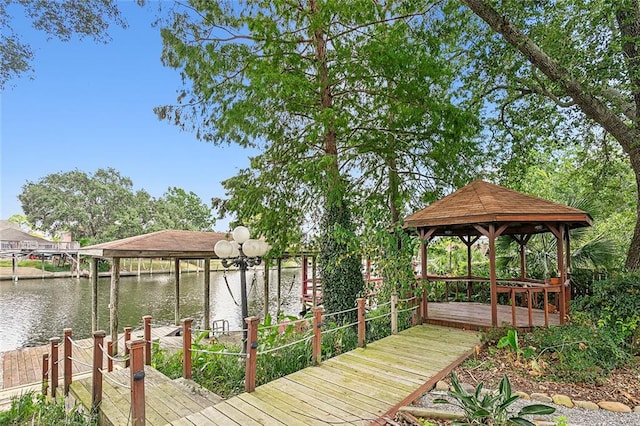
(7, 271)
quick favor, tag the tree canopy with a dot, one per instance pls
(570, 73)
(59, 19)
(103, 206)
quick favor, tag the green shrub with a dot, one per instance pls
(37, 410)
(488, 408)
(577, 353)
(615, 305)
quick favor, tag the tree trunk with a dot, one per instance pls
(326, 102)
(592, 107)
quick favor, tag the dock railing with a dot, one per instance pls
(138, 352)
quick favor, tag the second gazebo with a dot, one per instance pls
(482, 209)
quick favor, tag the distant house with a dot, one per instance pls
(15, 241)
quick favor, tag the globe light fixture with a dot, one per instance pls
(242, 252)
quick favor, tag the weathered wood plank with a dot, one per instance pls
(215, 416)
(315, 415)
(256, 414)
(354, 384)
(276, 410)
(231, 412)
(375, 377)
(200, 420)
(303, 396)
(392, 369)
(363, 401)
(380, 371)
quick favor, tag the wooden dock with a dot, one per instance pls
(22, 368)
(166, 399)
(357, 387)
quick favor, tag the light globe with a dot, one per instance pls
(241, 234)
(263, 248)
(223, 249)
(235, 249)
(251, 248)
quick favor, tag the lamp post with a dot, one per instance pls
(243, 253)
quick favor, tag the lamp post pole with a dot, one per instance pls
(243, 253)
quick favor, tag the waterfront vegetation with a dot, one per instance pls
(282, 350)
(35, 409)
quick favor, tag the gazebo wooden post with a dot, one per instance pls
(469, 241)
(113, 302)
(559, 232)
(207, 294)
(425, 278)
(314, 290)
(94, 294)
(266, 287)
(279, 294)
(177, 299)
(568, 269)
(492, 275)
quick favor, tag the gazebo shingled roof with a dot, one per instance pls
(482, 202)
(167, 243)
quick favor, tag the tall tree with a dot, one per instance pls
(575, 62)
(59, 19)
(179, 209)
(103, 206)
(300, 81)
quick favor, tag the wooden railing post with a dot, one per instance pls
(394, 313)
(53, 353)
(127, 337)
(513, 307)
(186, 347)
(136, 349)
(425, 304)
(362, 327)
(419, 309)
(147, 339)
(317, 334)
(45, 373)
(252, 353)
(110, 357)
(67, 360)
(96, 392)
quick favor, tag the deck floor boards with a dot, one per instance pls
(23, 367)
(355, 388)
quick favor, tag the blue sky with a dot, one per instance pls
(90, 106)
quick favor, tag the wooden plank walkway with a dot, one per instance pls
(23, 367)
(166, 400)
(354, 388)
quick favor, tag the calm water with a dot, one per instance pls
(32, 311)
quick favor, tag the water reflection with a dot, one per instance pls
(32, 311)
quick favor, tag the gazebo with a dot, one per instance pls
(167, 244)
(484, 211)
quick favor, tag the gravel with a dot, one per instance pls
(574, 416)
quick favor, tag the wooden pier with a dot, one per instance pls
(357, 387)
(21, 369)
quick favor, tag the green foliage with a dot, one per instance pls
(481, 408)
(586, 102)
(338, 263)
(614, 305)
(62, 20)
(321, 102)
(578, 353)
(510, 341)
(38, 410)
(103, 207)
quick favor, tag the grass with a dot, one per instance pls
(38, 410)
